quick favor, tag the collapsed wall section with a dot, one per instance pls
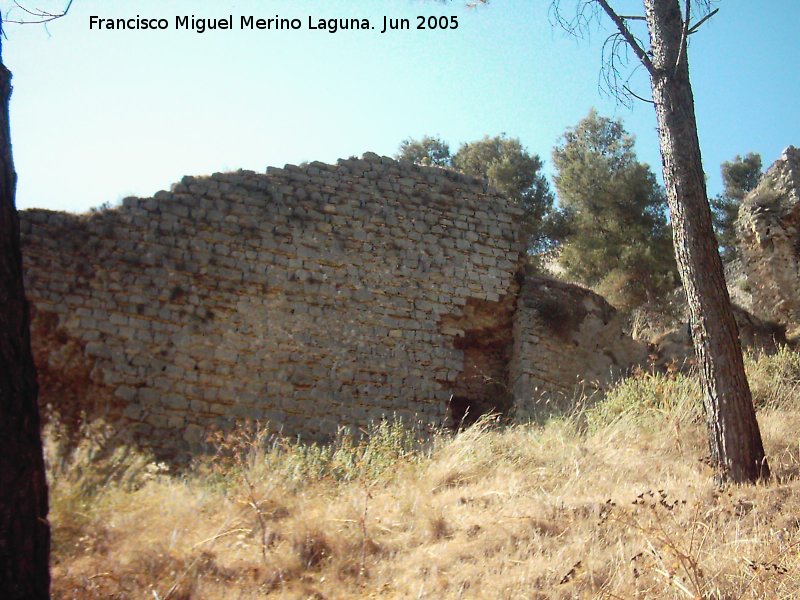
(567, 340)
(768, 234)
(484, 334)
(311, 297)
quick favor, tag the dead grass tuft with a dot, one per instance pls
(311, 547)
(610, 502)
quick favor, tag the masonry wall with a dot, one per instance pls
(309, 297)
(567, 341)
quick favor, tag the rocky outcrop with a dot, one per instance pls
(673, 350)
(768, 232)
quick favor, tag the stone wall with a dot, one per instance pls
(768, 232)
(310, 297)
(567, 341)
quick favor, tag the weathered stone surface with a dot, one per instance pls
(310, 298)
(673, 350)
(768, 232)
(567, 340)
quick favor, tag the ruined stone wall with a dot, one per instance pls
(311, 297)
(567, 340)
(768, 233)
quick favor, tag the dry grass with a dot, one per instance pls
(613, 502)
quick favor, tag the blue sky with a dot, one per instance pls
(100, 115)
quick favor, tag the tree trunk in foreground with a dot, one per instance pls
(734, 438)
(24, 530)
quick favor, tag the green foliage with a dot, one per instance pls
(774, 379)
(96, 461)
(739, 176)
(651, 399)
(428, 151)
(83, 472)
(251, 449)
(648, 399)
(617, 238)
(388, 444)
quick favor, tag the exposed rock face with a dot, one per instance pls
(310, 298)
(484, 333)
(674, 349)
(65, 375)
(768, 231)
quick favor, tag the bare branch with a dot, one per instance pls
(580, 23)
(612, 76)
(697, 25)
(635, 95)
(615, 73)
(632, 42)
(36, 13)
(682, 49)
(39, 15)
(614, 58)
(615, 48)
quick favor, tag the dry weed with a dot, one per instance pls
(612, 502)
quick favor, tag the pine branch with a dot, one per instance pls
(41, 16)
(697, 25)
(623, 29)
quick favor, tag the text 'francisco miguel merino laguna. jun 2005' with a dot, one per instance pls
(384, 24)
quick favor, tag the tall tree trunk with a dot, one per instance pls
(734, 438)
(24, 530)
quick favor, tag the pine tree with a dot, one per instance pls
(428, 151)
(24, 529)
(516, 173)
(618, 239)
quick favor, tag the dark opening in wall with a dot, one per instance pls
(460, 409)
(484, 334)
